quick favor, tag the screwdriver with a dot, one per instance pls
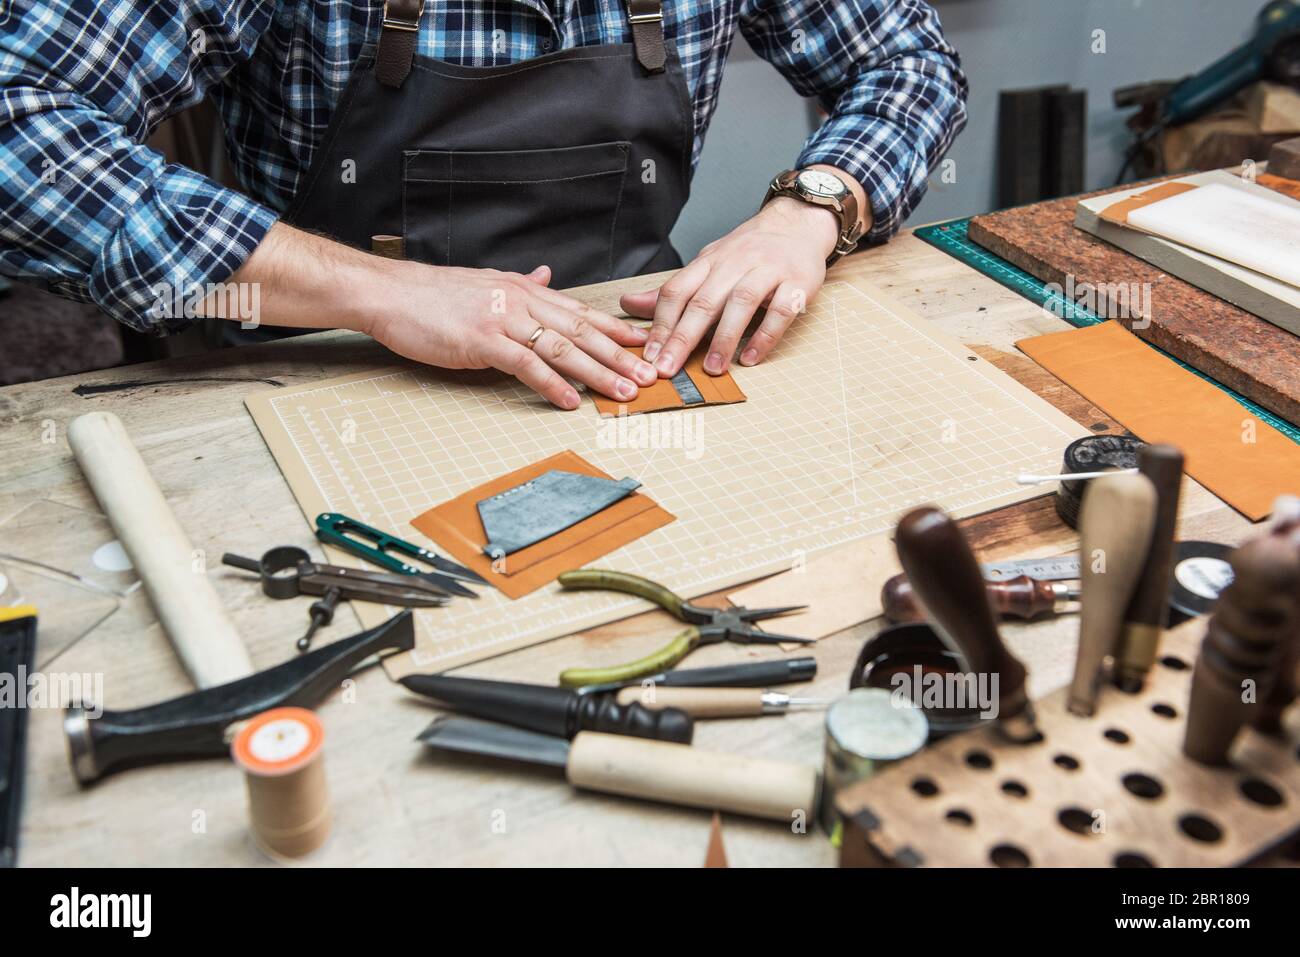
(1020, 597)
(718, 702)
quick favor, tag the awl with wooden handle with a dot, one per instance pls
(1148, 609)
(1115, 523)
(939, 563)
(640, 768)
(183, 597)
(717, 702)
(1019, 597)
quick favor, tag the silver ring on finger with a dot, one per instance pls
(537, 334)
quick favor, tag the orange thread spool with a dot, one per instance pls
(288, 800)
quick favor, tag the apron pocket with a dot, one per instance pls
(516, 209)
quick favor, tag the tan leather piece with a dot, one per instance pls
(455, 525)
(1287, 187)
(715, 390)
(1118, 213)
(1159, 401)
(397, 41)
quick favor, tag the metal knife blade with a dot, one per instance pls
(472, 736)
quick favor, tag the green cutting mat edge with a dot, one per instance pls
(953, 238)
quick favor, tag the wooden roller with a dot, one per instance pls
(193, 617)
(1115, 526)
(677, 774)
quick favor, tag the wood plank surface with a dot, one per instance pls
(393, 803)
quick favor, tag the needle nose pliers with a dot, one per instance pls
(708, 626)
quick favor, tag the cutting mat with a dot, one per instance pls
(864, 412)
(1242, 351)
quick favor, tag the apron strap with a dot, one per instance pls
(397, 39)
(647, 18)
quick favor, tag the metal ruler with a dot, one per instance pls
(1065, 568)
(953, 238)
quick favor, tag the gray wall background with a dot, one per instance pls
(1005, 44)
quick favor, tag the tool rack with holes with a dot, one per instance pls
(1113, 790)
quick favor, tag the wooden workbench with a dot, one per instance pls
(393, 802)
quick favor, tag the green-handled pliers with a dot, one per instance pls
(708, 626)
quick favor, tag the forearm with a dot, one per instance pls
(305, 281)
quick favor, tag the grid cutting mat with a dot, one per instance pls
(863, 412)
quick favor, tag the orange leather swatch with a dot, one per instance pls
(1287, 187)
(715, 389)
(456, 526)
(1118, 213)
(1159, 401)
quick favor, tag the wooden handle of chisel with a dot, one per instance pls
(1115, 523)
(680, 774)
(698, 702)
(187, 606)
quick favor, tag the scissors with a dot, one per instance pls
(383, 550)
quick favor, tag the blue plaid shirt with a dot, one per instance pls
(91, 212)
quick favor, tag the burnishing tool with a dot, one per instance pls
(1021, 597)
(195, 725)
(1148, 610)
(947, 579)
(395, 554)
(1251, 637)
(288, 571)
(1115, 526)
(651, 770)
(708, 626)
(557, 711)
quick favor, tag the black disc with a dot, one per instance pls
(1092, 453)
(1201, 572)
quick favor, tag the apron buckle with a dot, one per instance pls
(398, 34)
(647, 19)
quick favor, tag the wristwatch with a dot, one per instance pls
(822, 189)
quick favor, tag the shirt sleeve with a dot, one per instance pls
(86, 209)
(891, 83)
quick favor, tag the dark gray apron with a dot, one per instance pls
(579, 159)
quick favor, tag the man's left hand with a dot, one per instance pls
(775, 259)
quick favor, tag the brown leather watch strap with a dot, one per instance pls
(397, 41)
(647, 17)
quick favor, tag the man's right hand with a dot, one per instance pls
(481, 318)
(447, 316)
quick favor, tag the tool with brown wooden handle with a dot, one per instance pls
(1148, 609)
(1115, 523)
(1019, 597)
(940, 565)
(178, 586)
(717, 702)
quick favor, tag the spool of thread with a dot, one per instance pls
(1092, 453)
(288, 800)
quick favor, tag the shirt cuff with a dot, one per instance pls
(874, 152)
(185, 233)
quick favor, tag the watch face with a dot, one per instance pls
(820, 183)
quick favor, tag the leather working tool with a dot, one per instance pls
(548, 710)
(1251, 636)
(652, 770)
(1021, 597)
(1148, 609)
(395, 554)
(940, 565)
(752, 674)
(17, 655)
(1115, 525)
(288, 571)
(708, 626)
(718, 702)
(195, 725)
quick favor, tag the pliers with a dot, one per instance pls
(708, 626)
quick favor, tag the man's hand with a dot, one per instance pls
(775, 259)
(449, 317)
